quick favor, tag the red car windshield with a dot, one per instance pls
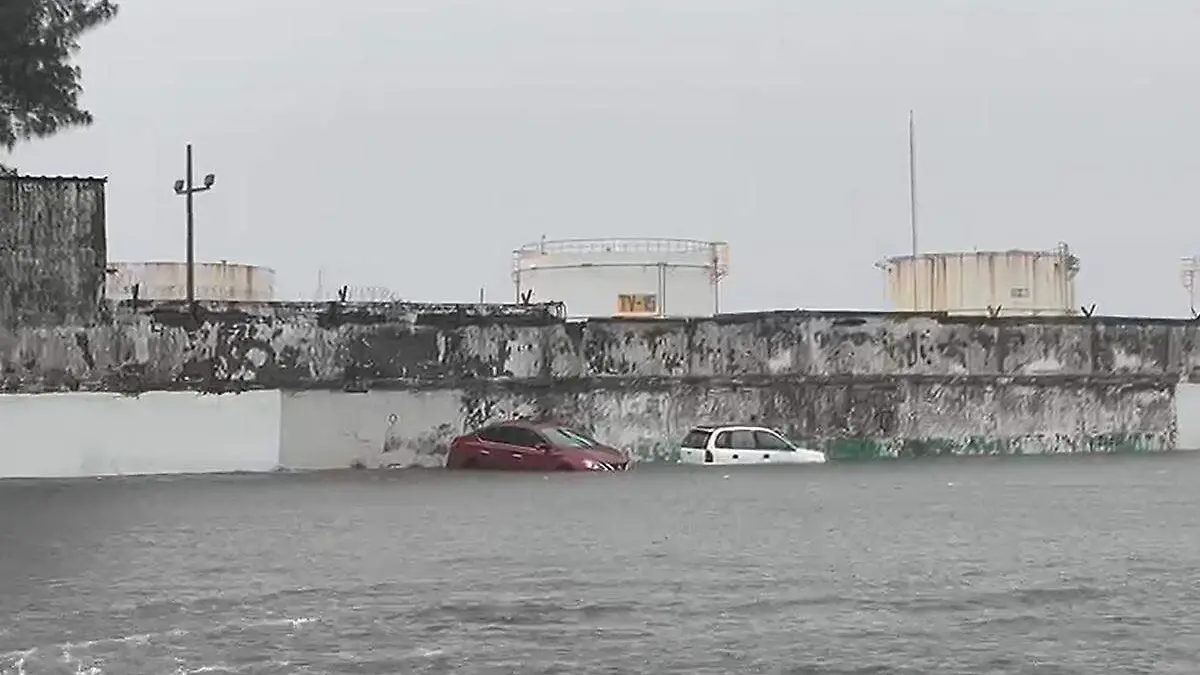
(561, 436)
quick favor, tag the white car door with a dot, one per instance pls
(694, 446)
(773, 448)
(735, 446)
(782, 451)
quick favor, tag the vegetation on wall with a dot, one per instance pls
(39, 83)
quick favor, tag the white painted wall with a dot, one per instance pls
(1187, 416)
(102, 434)
(335, 430)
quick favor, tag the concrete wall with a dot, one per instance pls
(324, 429)
(62, 435)
(856, 385)
(1187, 415)
(52, 250)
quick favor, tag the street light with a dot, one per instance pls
(1190, 269)
(187, 188)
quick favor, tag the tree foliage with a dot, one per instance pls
(39, 83)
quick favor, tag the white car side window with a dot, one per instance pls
(770, 441)
(742, 439)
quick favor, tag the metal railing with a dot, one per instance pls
(621, 245)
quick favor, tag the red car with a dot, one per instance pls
(533, 446)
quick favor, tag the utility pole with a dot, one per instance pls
(187, 188)
(912, 198)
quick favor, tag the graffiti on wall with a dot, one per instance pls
(426, 449)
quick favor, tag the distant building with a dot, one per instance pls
(214, 282)
(53, 249)
(1001, 283)
(623, 277)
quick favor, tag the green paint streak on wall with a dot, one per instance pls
(1124, 443)
(856, 449)
(656, 452)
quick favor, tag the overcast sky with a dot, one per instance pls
(413, 144)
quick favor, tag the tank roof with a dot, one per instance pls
(1063, 250)
(618, 245)
(180, 263)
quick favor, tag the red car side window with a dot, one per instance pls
(492, 435)
(526, 438)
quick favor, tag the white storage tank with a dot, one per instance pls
(1001, 283)
(623, 277)
(214, 282)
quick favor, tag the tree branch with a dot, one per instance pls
(39, 84)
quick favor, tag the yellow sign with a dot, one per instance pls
(637, 303)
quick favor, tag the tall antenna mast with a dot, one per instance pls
(912, 180)
(912, 199)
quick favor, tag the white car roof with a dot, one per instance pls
(735, 428)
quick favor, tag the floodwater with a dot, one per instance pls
(1023, 565)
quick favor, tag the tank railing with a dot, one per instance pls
(617, 263)
(621, 245)
(938, 255)
(1040, 310)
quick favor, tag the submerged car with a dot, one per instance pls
(532, 446)
(726, 445)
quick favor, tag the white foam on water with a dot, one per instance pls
(285, 621)
(221, 668)
(18, 659)
(16, 662)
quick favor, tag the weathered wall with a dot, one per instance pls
(853, 384)
(52, 250)
(324, 429)
(65, 435)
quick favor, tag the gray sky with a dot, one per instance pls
(413, 144)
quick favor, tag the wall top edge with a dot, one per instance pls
(53, 179)
(369, 312)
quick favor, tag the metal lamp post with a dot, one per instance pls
(1190, 270)
(187, 188)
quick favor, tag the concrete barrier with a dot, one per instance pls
(336, 430)
(63, 435)
(77, 434)
(1187, 416)
(884, 419)
(366, 384)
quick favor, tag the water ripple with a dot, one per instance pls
(859, 571)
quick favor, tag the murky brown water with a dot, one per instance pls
(1076, 565)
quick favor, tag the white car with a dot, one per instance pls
(724, 446)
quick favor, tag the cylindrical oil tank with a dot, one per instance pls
(214, 282)
(623, 277)
(996, 283)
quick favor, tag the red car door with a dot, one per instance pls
(537, 453)
(523, 450)
(509, 449)
(491, 448)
